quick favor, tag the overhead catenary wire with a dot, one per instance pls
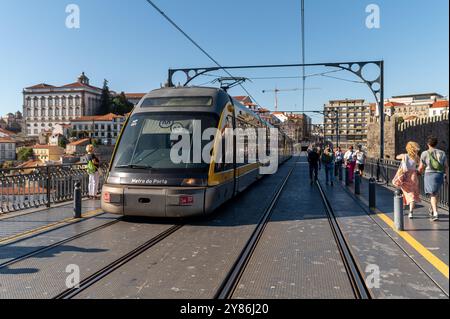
(198, 46)
(303, 53)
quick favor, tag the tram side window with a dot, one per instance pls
(250, 150)
(227, 146)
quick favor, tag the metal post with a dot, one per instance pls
(347, 177)
(341, 173)
(357, 183)
(48, 186)
(382, 109)
(372, 193)
(378, 170)
(398, 210)
(77, 200)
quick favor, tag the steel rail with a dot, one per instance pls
(354, 274)
(97, 276)
(228, 286)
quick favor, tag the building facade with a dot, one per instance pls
(350, 126)
(103, 128)
(46, 105)
(7, 149)
(48, 153)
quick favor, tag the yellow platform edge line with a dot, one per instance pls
(34, 231)
(421, 249)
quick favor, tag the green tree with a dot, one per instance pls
(121, 105)
(105, 100)
(62, 143)
(25, 154)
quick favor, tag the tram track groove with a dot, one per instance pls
(113, 266)
(354, 274)
(231, 281)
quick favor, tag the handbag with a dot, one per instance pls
(399, 178)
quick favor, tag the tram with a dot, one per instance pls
(143, 179)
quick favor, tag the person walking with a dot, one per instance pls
(339, 160)
(350, 162)
(410, 180)
(92, 167)
(433, 164)
(328, 162)
(360, 160)
(313, 160)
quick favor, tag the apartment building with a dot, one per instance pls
(349, 127)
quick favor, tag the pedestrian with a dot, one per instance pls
(360, 160)
(92, 167)
(327, 159)
(339, 159)
(434, 165)
(350, 162)
(410, 180)
(319, 151)
(313, 160)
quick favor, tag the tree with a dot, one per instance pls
(25, 154)
(121, 105)
(62, 142)
(105, 100)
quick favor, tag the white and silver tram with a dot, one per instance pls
(144, 181)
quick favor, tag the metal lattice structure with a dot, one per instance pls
(376, 85)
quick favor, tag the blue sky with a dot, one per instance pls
(132, 46)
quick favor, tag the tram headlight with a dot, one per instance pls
(193, 182)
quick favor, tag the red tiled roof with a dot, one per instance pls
(41, 86)
(107, 117)
(6, 132)
(440, 104)
(48, 147)
(393, 104)
(30, 164)
(6, 140)
(80, 85)
(135, 95)
(80, 142)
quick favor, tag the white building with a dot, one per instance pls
(46, 105)
(7, 146)
(105, 128)
(438, 108)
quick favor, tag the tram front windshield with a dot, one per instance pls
(146, 141)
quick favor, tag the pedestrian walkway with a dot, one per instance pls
(426, 242)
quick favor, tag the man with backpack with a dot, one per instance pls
(92, 166)
(328, 162)
(434, 164)
(313, 161)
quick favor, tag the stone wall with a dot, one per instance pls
(397, 135)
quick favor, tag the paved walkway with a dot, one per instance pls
(426, 242)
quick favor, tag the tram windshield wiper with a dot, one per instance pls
(135, 166)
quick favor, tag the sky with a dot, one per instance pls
(131, 45)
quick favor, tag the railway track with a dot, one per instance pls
(228, 287)
(97, 276)
(356, 279)
(355, 276)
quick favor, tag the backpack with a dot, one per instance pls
(434, 163)
(91, 168)
(327, 159)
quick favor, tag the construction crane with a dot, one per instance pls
(276, 91)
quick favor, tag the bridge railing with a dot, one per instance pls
(24, 188)
(385, 170)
